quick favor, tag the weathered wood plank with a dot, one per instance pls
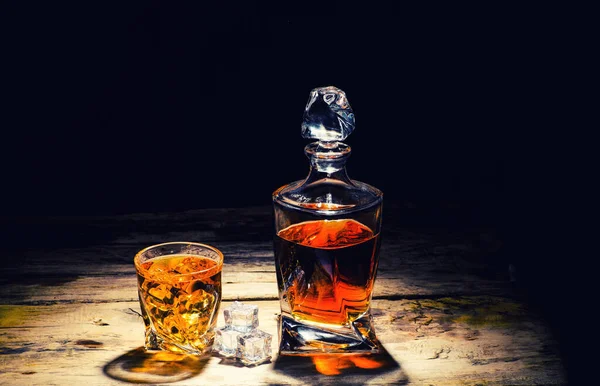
(466, 340)
(413, 263)
(115, 239)
(444, 308)
(120, 286)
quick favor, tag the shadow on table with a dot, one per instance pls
(347, 369)
(139, 366)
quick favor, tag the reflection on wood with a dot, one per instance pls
(139, 366)
(348, 369)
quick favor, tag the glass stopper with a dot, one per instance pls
(328, 116)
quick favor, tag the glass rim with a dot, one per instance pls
(217, 268)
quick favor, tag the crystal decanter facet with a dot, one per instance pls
(327, 238)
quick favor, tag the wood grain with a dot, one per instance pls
(444, 307)
(472, 340)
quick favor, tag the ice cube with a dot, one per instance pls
(161, 297)
(254, 347)
(241, 317)
(226, 342)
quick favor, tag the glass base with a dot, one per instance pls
(155, 342)
(299, 338)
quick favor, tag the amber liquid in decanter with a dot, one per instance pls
(327, 238)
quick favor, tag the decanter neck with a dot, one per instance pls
(328, 160)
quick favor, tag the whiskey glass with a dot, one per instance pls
(179, 288)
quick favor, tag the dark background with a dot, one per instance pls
(129, 107)
(122, 107)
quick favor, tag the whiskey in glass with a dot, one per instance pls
(179, 288)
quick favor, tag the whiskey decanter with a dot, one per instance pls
(327, 241)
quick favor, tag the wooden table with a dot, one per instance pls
(444, 309)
